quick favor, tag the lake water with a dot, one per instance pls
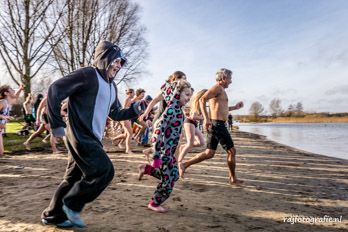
(329, 139)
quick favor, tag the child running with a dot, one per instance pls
(176, 76)
(194, 136)
(165, 139)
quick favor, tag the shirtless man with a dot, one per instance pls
(28, 117)
(215, 125)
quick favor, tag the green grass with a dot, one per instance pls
(13, 143)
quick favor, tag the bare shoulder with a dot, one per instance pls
(215, 91)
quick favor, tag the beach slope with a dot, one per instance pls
(282, 185)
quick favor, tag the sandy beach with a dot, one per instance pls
(281, 184)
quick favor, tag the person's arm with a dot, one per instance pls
(60, 90)
(39, 109)
(211, 93)
(153, 102)
(27, 101)
(236, 107)
(118, 114)
(18, 92)
(196, 116)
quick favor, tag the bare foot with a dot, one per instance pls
(235, 181)
(27, 146)
(181, 167)
(130, 152)
(158, 209)
(141, 169)
(120, 145)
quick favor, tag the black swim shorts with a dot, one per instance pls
(218, 133)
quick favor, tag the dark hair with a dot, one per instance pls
(176, 76)
(39, 98)
(3, 90)
(139, 91)
(129, 91)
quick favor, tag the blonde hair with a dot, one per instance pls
(194, 107)
(182, 84)
(222, 74)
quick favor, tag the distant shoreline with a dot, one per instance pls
(305, 119)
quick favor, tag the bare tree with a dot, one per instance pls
(299, 109)
(291, 110)
(256, 109)
(89, 21)
(275, 107)
(27, 26)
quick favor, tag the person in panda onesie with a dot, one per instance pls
(92, 97)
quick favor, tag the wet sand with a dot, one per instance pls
(279, 182)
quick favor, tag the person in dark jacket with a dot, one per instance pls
(92, 97)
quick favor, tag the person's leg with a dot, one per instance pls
(190, 138)
(34, 135)
(128, 129)
(2, 149)
(169, 175)
(98, 171)
(207, 154)
(231, 163)
(54, 213)
(199, 138)
(212, 143)
(227, 143)
(47, 138)
(141, 131)
(53, 142)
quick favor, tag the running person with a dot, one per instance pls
(194, 136)
(177, 75)
(215, 124)
(165, 139)
(92, 98)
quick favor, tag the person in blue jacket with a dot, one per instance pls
(92, 97)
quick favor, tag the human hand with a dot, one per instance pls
(239, 105)
(142, 117)
(207, 124)
(7, 117)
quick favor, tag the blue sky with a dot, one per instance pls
(293, 50)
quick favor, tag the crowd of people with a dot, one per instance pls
(83, 107)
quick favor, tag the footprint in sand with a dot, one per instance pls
(207, 208)
(176, 199)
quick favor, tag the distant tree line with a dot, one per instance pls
(276, 110)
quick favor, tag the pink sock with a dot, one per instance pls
(148, 169)
(152, 203)
(156, 163)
